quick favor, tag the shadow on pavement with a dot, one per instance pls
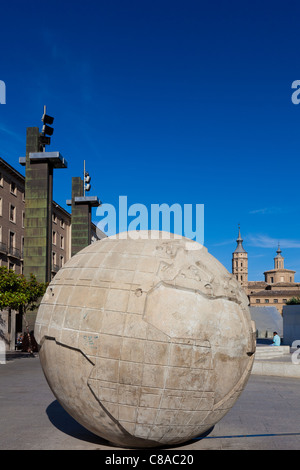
(65, 423)
(68, 425)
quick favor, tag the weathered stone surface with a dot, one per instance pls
(145, 342)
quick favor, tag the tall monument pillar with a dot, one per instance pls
(81, 215)
(38, 204)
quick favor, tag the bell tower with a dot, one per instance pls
(279, 259)
(240, 262)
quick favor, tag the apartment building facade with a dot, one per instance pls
(12, 217)
(12, 223)
(12, 233)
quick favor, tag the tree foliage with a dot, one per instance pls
(17, 292)
(293, 301)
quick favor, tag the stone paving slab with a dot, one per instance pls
(265, 417)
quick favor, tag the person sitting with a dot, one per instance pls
(276, 339)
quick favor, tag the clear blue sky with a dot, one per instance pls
(168, 101)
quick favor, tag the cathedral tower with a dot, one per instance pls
(240, 262)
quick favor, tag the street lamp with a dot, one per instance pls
(46, 130)
(86, 180)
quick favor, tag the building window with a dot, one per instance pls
(54, 237)
(62, 242)
(12, 213)
(13, 188)
(23, 219)
(257, 301)
(62, 261)
(272, 280)
(275, 301)
(1, 179)
(284, 300)
(62, 223)
(11, 240)
(54, 218)
(266, 301)
(0, 205)
(11, 266)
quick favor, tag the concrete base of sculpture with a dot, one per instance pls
(145, 342)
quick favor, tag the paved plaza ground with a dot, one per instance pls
(265, 417)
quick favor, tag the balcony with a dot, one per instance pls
(3, 248)
(14, 252)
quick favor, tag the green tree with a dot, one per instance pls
(293, 301)
(16, 292)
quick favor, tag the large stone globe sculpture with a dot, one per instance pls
(145, 342)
